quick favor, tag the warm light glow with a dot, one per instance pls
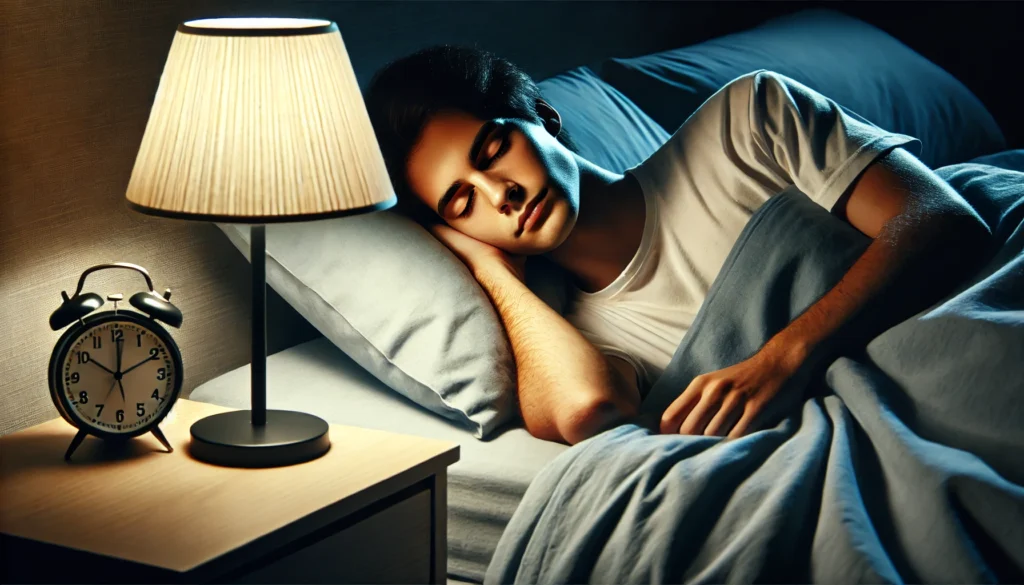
(257, 23)
(258, 125)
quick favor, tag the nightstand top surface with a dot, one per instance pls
(171, 511)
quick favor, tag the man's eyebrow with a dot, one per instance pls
(474, 153)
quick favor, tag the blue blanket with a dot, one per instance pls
(906, 466)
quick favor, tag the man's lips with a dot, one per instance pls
(529, 209)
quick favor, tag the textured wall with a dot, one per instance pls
(78, 79)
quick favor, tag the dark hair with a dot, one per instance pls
(404, 94)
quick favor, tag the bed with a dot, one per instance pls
(881, 80)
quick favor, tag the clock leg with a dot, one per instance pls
(74, 444)
(160, 437)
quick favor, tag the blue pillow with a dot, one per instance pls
(609, 130)
(1011, 160)
(862, 68)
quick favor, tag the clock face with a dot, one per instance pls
(119, 376)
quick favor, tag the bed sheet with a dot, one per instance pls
(484, 487)
(903, 464)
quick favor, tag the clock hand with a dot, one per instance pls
(152, 357)
(101, 366)
(117, 376)
(109, 391)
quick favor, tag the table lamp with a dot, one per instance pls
(257, 121)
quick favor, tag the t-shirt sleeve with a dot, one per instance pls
(808, 139)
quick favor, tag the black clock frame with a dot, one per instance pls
(56, 381)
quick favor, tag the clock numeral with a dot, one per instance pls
(120, 416)
(75, 377)
(153, 352)
(140, 409)
(156, 395)
(97, 343)
(100, 411)
(83, 397)
(139, 339)
(83, 357)
(116, 334)
(161, 374)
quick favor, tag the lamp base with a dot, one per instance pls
(230, 439)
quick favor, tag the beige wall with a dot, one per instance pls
(77, 79)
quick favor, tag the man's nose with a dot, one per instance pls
(503, 195)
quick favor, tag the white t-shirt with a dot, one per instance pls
(760, 134)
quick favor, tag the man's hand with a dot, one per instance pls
(476, 254)
(731, 400)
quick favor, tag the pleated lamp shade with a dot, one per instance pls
(258, 120)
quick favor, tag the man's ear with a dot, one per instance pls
(549, 116)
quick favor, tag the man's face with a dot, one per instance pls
(482, 177)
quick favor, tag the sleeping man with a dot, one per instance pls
(480, 158)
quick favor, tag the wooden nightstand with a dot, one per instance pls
(372, 510)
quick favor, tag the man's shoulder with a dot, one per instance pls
(691, 148)
(756, 86)
(735, 95)
(732, 101)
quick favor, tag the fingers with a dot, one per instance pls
(745, 423)
(726, 402)
(728, 415)
(677, 412)
(712, 408)
(702, 414)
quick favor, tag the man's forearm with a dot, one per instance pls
(916, 259)
(557, 368)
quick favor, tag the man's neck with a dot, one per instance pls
(608, 229)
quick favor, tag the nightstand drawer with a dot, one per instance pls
(392, 545)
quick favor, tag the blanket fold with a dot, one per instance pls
(907, 467)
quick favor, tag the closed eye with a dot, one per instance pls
(469, 202)
(505, 144)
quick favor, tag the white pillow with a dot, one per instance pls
(397, 301)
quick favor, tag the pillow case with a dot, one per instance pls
(393, 298)
(400, 304)
(1009, 159)
(860, 67)
(607, 127)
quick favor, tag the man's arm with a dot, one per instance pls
(926, 239)
(568, 390)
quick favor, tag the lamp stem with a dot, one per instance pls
(258, 259)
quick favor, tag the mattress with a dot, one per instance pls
(484, 486)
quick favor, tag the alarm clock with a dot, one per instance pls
(115, 374)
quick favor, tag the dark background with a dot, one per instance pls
(980, 43)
